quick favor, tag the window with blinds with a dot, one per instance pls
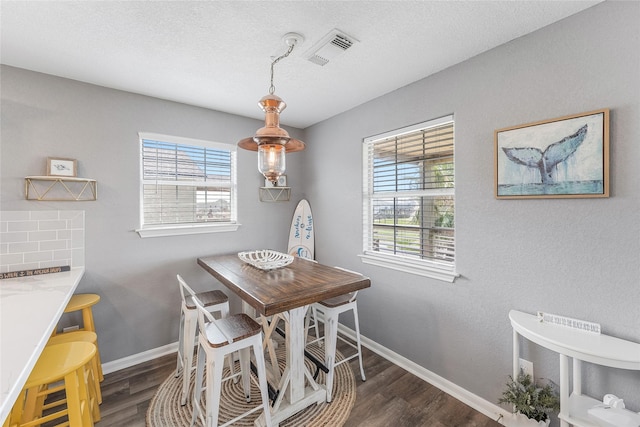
(186, 182)
(409, 197)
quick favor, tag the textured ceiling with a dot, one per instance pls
(217, 54)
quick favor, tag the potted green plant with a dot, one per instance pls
(532, 404)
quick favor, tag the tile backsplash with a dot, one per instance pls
(41, 239)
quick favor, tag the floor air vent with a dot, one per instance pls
(332, 45)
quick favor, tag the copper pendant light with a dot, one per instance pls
(271, 141)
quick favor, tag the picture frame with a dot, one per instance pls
(59, 166)
(565, 157)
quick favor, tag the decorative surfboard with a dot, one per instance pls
(301, 234)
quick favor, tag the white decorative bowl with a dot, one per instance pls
(266, 259)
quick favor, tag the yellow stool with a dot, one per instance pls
(83, 336)
(84, 302)
(65, 364)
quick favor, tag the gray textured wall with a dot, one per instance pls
(574, 257)
(48, 116)
(579, 258)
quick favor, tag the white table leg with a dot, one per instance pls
(295, 353)
(564, 388)
(297, 395)
(516, 355)
(577, 376)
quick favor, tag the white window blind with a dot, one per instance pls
(409, 197)
(186, 182)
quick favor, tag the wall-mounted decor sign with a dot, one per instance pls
(557, 158)
(61, 167)
(34, 272)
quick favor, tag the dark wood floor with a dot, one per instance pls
(391, 396)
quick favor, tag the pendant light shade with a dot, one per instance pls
(271, 141)
(271, 161)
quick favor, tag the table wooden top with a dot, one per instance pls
(274, 291)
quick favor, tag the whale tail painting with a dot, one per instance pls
(546, 161)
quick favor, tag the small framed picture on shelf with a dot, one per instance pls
(58, 166)
(282, 181)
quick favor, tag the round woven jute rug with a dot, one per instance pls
(165, 409)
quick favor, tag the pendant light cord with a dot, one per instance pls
(272, 88)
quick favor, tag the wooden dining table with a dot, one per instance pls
(286, 291)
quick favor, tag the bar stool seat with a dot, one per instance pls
(83, 336)
(59, 367)
(84, 302)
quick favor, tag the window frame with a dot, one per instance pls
(423, 267)
(178, 229)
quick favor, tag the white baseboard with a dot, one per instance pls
(481, 405)
(145, 356)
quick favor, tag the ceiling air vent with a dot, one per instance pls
(332, 45)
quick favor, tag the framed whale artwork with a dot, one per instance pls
(567, 157)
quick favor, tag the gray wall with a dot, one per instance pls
(578, 258)
(575, 257)
(48, 116)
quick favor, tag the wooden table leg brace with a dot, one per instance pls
(292, 382)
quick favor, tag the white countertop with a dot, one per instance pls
(30, 308)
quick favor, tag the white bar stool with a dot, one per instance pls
(217, 339)
(213, 301)
(331, 309)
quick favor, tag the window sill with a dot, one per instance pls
(412, 266)
(181, 230)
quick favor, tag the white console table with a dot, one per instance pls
(581, 346)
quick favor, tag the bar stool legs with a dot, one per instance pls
(331, 339)
(84, 303)
(84, 336)
(60, 367)
(219, 338)
(331, 310)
